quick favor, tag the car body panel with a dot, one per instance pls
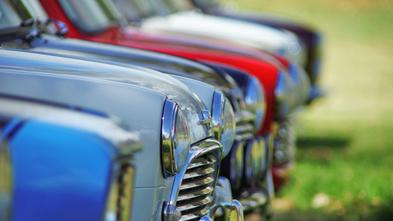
(77, 155)
(130, 106)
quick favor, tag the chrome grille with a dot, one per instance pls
(197, 188)
(244, 128)
(194, 186)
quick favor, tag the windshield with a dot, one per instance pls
(8, 16)
(88, 15)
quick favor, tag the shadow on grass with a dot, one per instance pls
(383, 212)
(330, 142)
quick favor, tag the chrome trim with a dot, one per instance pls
(284, 143)
(217, 112)
(5, 182)
(282, 92)
(177, 207)
(120, 196)
(255, 200)
(233, 211)
(245, 126)
(254, 99)
(168, 123)
(206, 118)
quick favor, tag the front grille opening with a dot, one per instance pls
(125, 192)
(196, 193)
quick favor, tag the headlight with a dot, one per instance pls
(284, 97)
(255, 101)
(253, 162)
(302, 82)
(265, 159)
(236, 165)
(119, 202)
(223, 121)
(175, 138)
(5, 183)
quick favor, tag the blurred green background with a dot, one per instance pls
(344, 167)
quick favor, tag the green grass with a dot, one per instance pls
(345, 155)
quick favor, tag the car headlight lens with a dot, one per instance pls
(223, 121)
(236, 165)
(284, 98)
(265, 160)
(302, 82)
(253, 162)
(119, 202)
(255, 101)
(175, 138)
(5, 183)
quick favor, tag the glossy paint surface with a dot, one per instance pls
(192, 49)
(311, 38)
(68, 167)
(129, 106)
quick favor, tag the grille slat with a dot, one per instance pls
(198, 202)
(198, 173)
(196, 193)
(196, 215)
(244, 129)
(202, 162)
(204, 181)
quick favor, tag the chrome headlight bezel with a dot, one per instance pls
(223, 121)
(254, 99)
(283, 95)
(174, 144)
(5, 182)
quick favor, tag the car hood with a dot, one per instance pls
(172, 88)
(157, 61)
(194, 23)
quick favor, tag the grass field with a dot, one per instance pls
(344, 165)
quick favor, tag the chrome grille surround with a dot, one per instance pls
(192, 195)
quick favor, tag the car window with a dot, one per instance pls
(87, 15)
(8, 16)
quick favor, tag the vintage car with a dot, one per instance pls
(63, 160)
(180, 161)
(84, 27)
(178, 17)
(254, 100)
(310, 38)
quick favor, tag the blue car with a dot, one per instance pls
(64, 160)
